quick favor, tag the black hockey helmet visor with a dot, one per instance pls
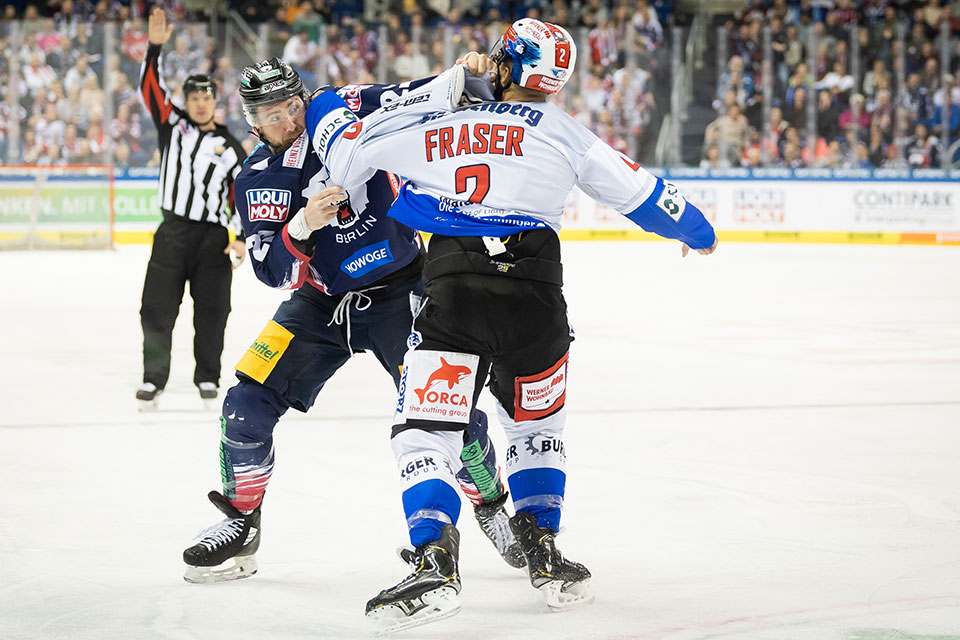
(266, 83)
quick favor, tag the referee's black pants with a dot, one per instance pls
(184, 250)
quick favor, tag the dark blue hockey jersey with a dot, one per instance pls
(360, 246)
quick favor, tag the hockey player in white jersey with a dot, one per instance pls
(489, 181)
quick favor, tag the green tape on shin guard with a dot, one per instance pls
(483, 474)
(226, 467)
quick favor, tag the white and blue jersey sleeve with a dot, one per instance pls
(654, 204)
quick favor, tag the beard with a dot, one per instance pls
(281, 144)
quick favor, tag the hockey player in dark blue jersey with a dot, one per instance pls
(355, 274)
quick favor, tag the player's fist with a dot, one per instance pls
(323, 206)
(478, 64)
(157, 30)
(705, 252)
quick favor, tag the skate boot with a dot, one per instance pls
(226, 550)
(495, 523)
(147, 396)
(563, 583)
(208, 393)
(430, 593)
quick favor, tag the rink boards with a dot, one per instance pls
(761, 205)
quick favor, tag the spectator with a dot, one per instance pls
(37, 74)
(801, 78)
(731, 132)
(872, 77)
(794, 53)
(795, 113)
(121, 155)
(71, 144)
(78, 74)
(949, 94)
(833, 159)
(602, 44)
(751, 158)
(770, 143)
(734, 79)
(593, 92)
(855, 115)
(126, 129)
(915, 98)
(828, 116)
(182, 61)
(49, 128)
(859, 159)
(411, 64)
(878, 147)
(792, 156)
(300, 52)
(308, 20)
(713, 159)
(647, 26)
(882, 113)
(891, 159)
(91, 96)
(837, 80)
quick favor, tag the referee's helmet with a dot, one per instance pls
(265, 83)
(199, 83)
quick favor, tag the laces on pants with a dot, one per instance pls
(360, 300)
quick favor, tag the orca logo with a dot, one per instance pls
(450, 373)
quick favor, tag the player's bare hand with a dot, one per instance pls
(705, 252)
(478, 64)
(237, 250)
(323, 206)
(157, 30)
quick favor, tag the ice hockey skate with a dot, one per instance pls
(208, 393)
(430, 593)
(495, 524)
(226, 550)
(148, 396)
(563, 583)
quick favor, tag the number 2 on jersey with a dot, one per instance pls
(481, 173)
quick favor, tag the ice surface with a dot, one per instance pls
(762, 445)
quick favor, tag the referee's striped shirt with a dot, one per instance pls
(198, 168)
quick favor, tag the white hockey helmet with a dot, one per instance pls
(543, 54)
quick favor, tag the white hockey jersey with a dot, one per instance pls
(495, 169)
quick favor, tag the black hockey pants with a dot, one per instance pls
(184, 250)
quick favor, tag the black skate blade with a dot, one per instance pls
(430, 607)
(236, 568)
(560, 598)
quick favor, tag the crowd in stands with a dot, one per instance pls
(66, 80)
(65, 72)
(871, 121)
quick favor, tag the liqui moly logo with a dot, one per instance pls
(268, 204)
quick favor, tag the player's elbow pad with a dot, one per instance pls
(668, 214)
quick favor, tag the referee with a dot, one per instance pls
(200, 161)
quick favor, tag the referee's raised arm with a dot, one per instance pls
(155, 95)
